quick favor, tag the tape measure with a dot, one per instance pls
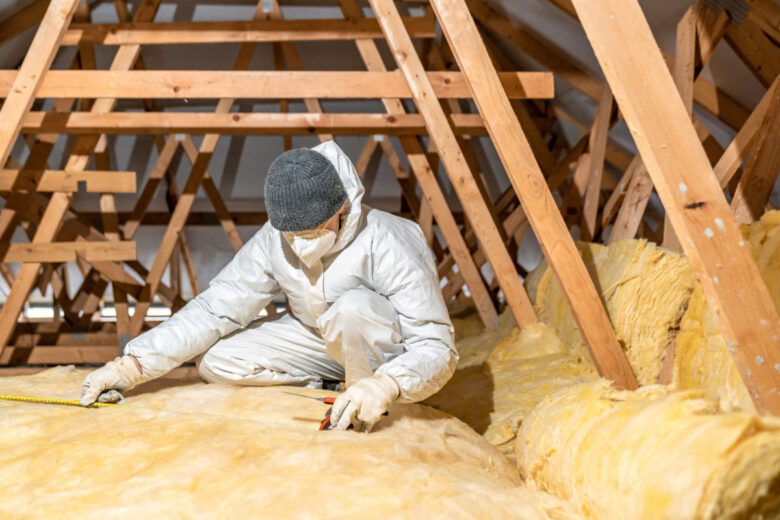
(46, 400)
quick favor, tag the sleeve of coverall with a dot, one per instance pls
(404, 271)
(233, 299)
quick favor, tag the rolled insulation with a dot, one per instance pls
(191, 450)
(651, 454)
(494, 397)
(645, 290)
(702, 359)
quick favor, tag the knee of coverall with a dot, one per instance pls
(205, 364)
(366, 312)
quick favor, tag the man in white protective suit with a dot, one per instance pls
(365, 305)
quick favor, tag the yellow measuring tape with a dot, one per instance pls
(46, 400)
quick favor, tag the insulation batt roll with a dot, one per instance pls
(493, 397)
(190, 450)
(651, 454)
(645, 290)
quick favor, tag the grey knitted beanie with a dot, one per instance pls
(302, 190)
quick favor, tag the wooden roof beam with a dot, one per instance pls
(203, 84)
(694, 201)
(28, 80)
(761, 171)
(244, 123)
(454, 161)
(259, 31)
(531, 188)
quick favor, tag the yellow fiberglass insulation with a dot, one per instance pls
(702, 359)
(645, 289)
(191, 450)
(651, 454)
(493, 397)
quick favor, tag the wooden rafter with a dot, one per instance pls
(27, 81)
(761, 171)
(693, 199)
(454, 162)
(528, 181)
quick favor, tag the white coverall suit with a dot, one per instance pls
(372, 303)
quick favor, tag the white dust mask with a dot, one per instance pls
(311, 245)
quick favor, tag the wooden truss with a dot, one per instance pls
(595, 186)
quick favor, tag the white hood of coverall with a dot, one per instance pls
(374, 250)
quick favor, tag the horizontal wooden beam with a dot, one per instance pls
(47, 252)
(237, 32)
(204, 84)
(95, 181)
(245, 123)
(210, 218)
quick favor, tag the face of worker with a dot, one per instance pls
(312, 244)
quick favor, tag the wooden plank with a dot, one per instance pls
(257, 31)
(66, 252)
(761, 171)
(529, 184)
(615, 200)
(758, 52)
(27, 81)
(597, 148)
(710, 27)
(96, 181)
(453, 160)
(683, 178)
(684, 69)
(164, 158)
(294, 84)
(735, 153)
(766, 14)
(243, 123)
(212, 192)
(637, 196)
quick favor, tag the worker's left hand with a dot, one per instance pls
(364, 403)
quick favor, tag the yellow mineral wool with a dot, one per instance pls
(493, 398)
(645, 289)
(525, 369)
(651, 454)
(702, 359)
(191, 450)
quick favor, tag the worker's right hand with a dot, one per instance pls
(119, 375)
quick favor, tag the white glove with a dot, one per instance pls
(118, 375)
(364, 403)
